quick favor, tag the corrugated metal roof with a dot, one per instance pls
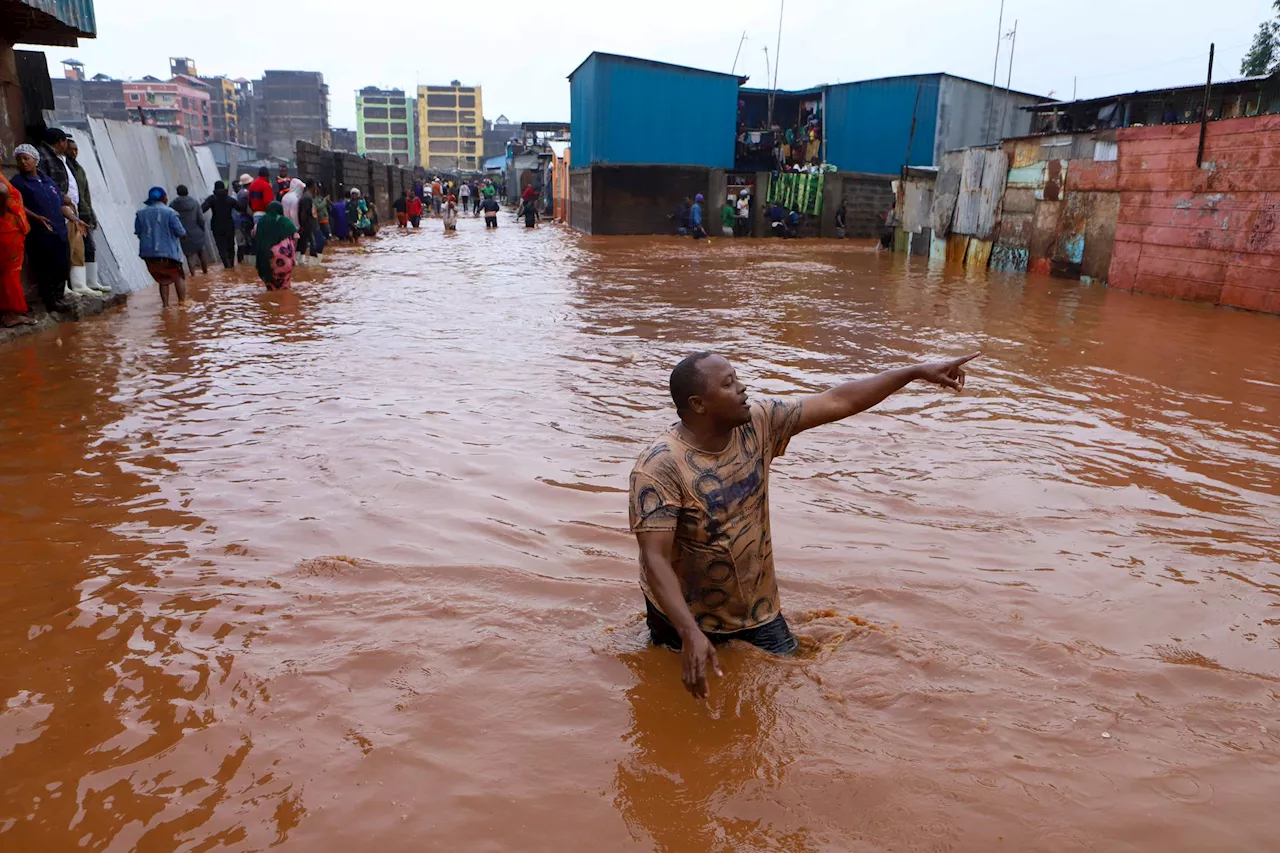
(77, 14)
(1190, 87)
(41, 24)
(814, 90)
(654, 63)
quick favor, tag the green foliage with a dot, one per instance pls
(1264, 54)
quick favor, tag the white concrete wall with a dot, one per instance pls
(123, 161)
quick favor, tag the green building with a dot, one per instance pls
(385, 126)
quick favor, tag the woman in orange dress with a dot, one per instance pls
(13, 234)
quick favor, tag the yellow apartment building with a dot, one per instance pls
(450, 128)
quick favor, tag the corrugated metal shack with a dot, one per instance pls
(1042, 204)
(645, 135)
(1127, 207)
(1240, 97)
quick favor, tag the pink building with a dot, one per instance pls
(180, 105)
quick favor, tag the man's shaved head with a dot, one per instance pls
(687, 380)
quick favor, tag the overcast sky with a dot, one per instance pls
(521, 52)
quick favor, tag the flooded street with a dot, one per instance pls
(348, 567)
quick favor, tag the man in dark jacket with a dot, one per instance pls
(53, 152)
(87, 216)
(188, 210)
(307, 226)
(222, 223)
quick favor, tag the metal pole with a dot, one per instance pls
(1204, 110)
(1004, 107)
(911, 138)
(739, 53)
(777, 54)
(995, 73)
(768, 72)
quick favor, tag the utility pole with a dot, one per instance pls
(739, 53)
(777, 54)
(1204, 110)
(768, 74)
(1009, 83)
(995, 72)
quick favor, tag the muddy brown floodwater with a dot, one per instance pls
(347, 568)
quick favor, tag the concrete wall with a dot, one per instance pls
(640, 199)
(1205, 233)
(866, 198)
(580, 185)
(340, 171)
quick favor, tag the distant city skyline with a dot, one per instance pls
(1101, 48)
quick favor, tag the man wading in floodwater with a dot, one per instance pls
(700, 505)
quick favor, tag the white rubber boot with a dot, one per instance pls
(78, 279)
(91, 271)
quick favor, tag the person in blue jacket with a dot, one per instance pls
(696, 231)
(160, 234)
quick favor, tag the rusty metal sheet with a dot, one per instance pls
(1015, 230)
(1100, 236)
(1018, 201)
(1067, 253)
(1026, 152)
(917, 205)
(1028, 176)
(981, 189)
(1044, 229)
(946, 192)
(1055, 180)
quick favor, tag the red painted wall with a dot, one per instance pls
(1210, 233)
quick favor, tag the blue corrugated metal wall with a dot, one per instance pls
(869, 124)
(633, 112)
(582, 113)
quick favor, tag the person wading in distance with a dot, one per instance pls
(699, 505)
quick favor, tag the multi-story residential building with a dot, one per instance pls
(450, 127)
(384, 126)
(248, 127)
(289, 106)
(497, 134)
(344, 140)
(78, 99)
(180, 105)
(224, 108)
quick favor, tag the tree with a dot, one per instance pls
(1264, 54)
(1261, 58)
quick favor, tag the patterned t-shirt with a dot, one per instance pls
(718, 504)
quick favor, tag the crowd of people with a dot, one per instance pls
(47, 226)
(446, 199)
(735, 216)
